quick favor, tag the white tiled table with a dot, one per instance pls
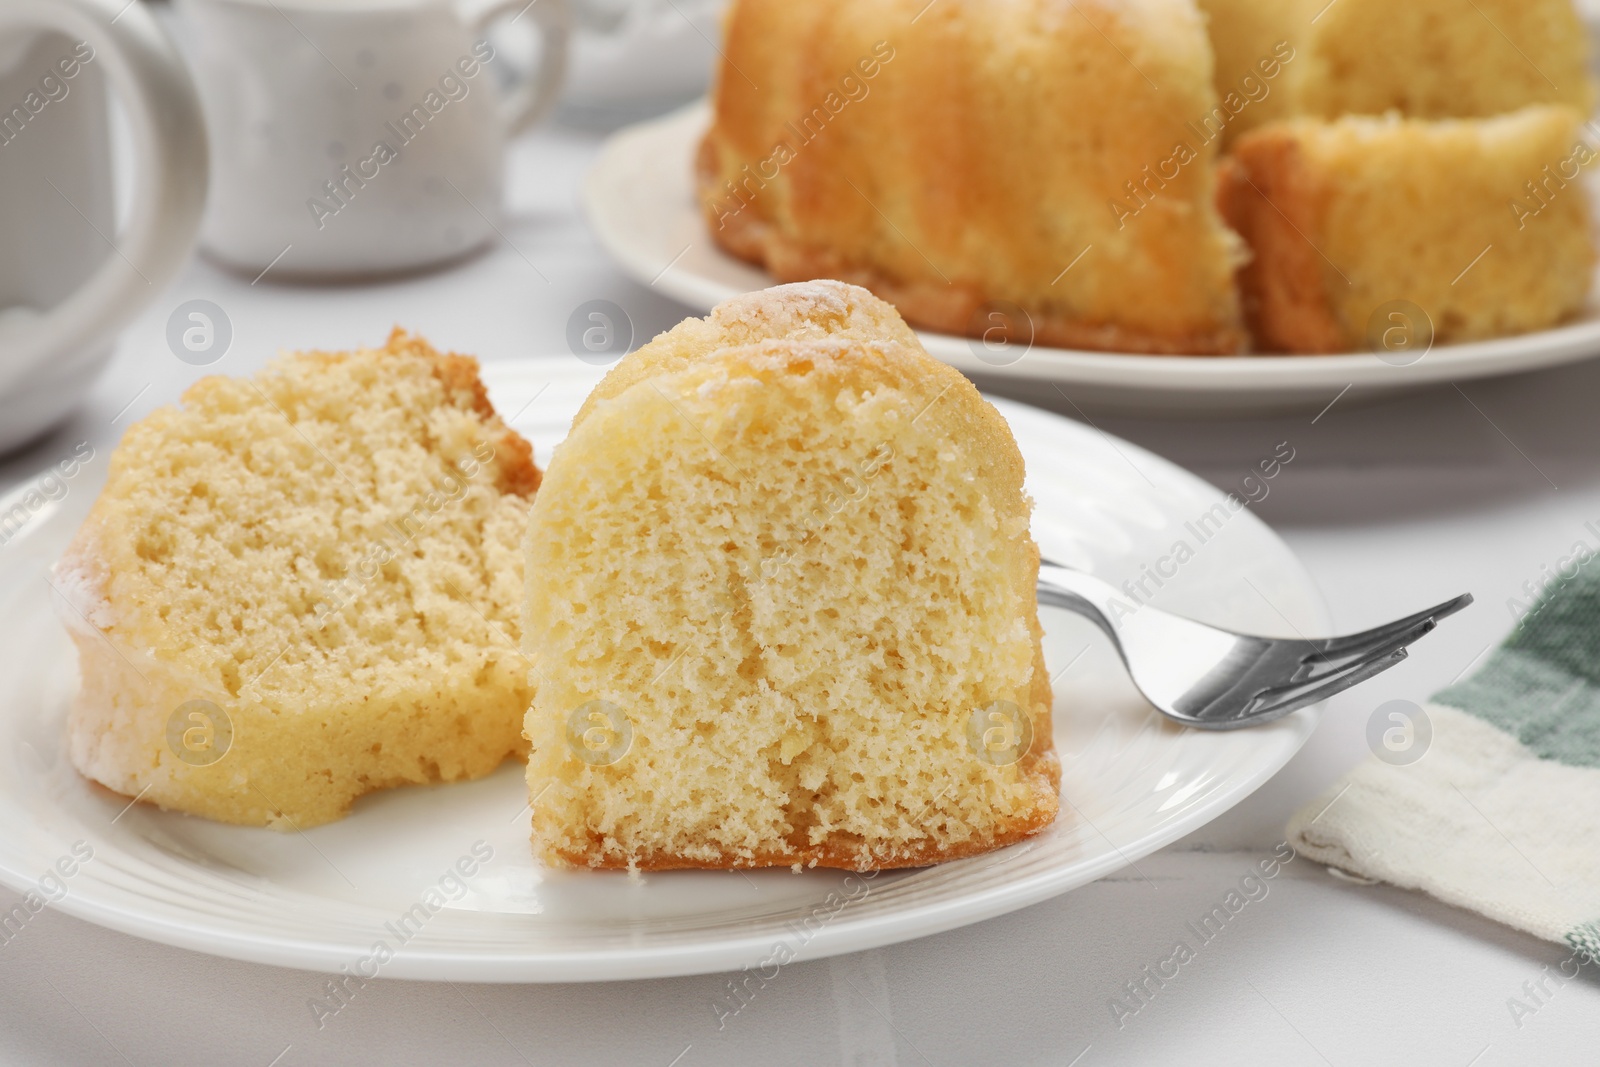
(1390, 506)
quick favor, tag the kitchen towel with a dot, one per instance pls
(1488, 796)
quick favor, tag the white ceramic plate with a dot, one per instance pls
(639, 198)
(322, 899)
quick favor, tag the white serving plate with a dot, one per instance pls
(322, 899)
(639, 197)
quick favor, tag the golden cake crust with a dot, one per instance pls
(1276, 204)
(517, 470)
(903, 153)
(1046, 770)
(947, 308)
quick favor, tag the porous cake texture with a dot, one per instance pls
(1421, 58)
(1027, 166)
(781, 604)
(1466, 228)
(303, 587)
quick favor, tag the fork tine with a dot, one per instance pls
(1333, 679)
(1291, 698)
(1310, 672)
(1337, 646)
(1274, 704)
(1317, 664)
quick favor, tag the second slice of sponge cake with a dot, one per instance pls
(303, 587)
(781, 604)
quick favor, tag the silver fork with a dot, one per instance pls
(1218, 680)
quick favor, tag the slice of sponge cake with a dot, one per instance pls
(1465, 229)
(303, 587)
(781, 604)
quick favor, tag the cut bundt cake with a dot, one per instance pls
(303, 587)
(1463, 228)
(1025, 166)
(781, 604)
(1422, 58)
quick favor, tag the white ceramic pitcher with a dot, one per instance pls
(69, 279)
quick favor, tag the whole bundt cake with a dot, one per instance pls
(1040, 167)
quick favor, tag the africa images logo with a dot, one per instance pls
(599, 733)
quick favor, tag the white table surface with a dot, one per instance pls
(1392, 507)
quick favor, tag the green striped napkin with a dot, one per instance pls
(1488, 797)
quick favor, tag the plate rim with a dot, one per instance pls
(1134, 373)
(841, 934)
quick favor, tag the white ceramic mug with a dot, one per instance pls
(68, 279)
(360, 137)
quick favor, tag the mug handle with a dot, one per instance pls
(169, 187)
(534, 95)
